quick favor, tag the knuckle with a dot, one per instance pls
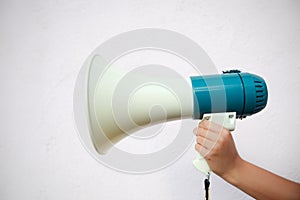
(221, 140)
(217, 148)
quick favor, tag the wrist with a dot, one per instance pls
(232, 176)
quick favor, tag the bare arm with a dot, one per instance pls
(216, 144)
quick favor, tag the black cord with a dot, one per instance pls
(206, 186)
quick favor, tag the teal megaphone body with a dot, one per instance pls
(233, 91)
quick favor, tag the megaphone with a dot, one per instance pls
(119, 105)
(112, 117)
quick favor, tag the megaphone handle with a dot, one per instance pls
(227, 120)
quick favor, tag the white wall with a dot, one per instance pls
(43, 45)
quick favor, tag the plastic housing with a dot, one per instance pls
(232, 91)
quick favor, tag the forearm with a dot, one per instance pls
(260, 183)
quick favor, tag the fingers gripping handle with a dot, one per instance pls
(226, 120)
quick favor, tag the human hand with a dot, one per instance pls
(216, 145)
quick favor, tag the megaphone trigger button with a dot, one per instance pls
(231, 71)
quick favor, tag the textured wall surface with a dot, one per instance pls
(43, 45)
